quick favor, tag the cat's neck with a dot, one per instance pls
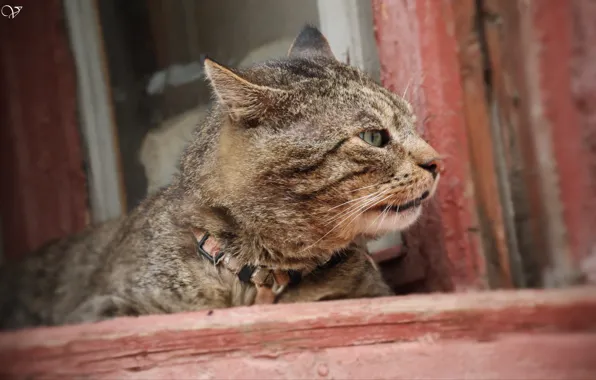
(250, 247)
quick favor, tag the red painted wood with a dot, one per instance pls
(583, 88)
(563, 357)
(418, 55)
(553, 23)
(542, 56)
(498, 246)
(567, 111)
(43, 193)
(509, 93)
(459, 333)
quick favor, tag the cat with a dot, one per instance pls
(161, 148)
(299, 160)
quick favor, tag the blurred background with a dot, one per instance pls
(99, 97)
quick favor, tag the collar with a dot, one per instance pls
(270, 283)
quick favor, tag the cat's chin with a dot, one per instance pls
(379, 222)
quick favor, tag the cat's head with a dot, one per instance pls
(309, 150)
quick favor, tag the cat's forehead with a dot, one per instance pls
(290, 73)
(371, 104)
(337, 86)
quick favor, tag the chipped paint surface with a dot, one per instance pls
(498, 334)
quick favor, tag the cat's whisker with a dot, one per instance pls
(368, 203)
(350, 201)
(384, 215)
(407, 88)
(353, 206)
(396, 216)
(357, 207)
(366, 209)
(362, 210)
(373, 222)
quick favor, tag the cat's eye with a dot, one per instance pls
(378, 138)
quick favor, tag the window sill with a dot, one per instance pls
(467, 335)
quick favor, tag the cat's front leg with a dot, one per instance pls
(99, 308)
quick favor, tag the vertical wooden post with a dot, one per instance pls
(547, 104)
(496, 221)
(568, 183)
(43, 192)
(583, 92)
(418, 55)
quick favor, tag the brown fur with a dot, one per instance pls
(277, 173)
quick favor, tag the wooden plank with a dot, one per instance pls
(206, 343)
(546, 29)
(563, 357)
(553, 40)
(43, 193)
(532, 46)
(418, 55)
(502, 28)
(583, 88)
(498, 246)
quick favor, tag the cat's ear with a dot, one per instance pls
(310, 43)
(243, 99)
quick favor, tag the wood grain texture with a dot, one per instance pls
(557, 35)
(499, 246)
(476, 331)
(539, 52)
(43, 193)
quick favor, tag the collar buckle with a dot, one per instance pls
(216, 255)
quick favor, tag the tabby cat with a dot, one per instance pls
(298, 161)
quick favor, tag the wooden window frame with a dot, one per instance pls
(470, 334)
(478, 335)
(96, 113)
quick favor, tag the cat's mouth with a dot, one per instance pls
(404, 206)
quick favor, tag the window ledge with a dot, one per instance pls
(472, 335)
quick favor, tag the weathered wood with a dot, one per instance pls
(471, 333)
(553, 41)
(418, 56)
(564, 357)
(583, 92)
(498, 247)
(555, 37)
(43, 192)
(505, 52)
(548, 129)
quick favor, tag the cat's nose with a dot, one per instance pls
(433, 166)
